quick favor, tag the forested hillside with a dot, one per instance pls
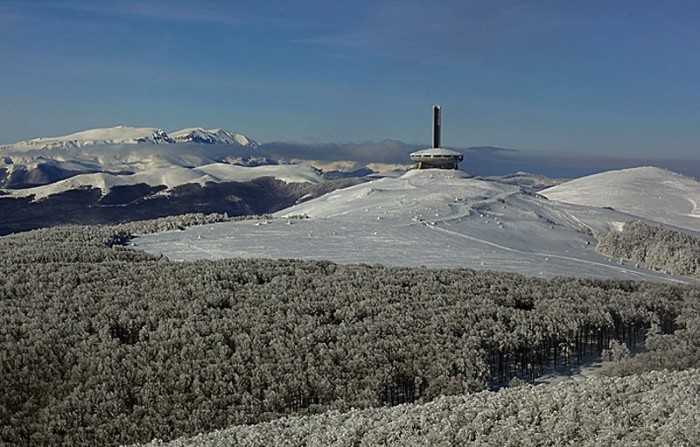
(105, 345)
(660, 247)
(654, 409)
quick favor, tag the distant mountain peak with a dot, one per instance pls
(211, 136)
(120, 135)
(91, 137)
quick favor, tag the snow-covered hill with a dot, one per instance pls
(652, 193)
(430, 217)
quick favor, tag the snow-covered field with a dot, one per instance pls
(432, 218)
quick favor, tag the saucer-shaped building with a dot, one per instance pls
(436, 157)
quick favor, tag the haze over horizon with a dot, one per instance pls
(578, 78)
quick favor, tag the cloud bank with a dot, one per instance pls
(483, 161)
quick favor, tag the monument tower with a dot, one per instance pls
(436, 157)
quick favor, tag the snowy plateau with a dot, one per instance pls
(448, 219)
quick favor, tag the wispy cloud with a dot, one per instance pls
(482, 161)
(388, 151)
(448, 31)
(152, 10)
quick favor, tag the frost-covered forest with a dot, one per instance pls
(105, 345)
(654, 409)
(660, 247)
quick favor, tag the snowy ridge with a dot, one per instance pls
(211, 136)
(130, 135)
(112, 135)
(434, 218)
(174, 176)
(648, 192)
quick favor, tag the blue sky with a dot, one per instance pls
(610, 77)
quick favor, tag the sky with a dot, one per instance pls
(597, 78)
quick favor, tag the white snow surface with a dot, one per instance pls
(648, 192)
(175, 176)
(431, 218)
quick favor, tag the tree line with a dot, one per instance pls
(655, 408)
(663, 248)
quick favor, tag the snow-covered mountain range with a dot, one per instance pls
(120, 151)
(442, 218)
(131, 135)
(126, 173)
